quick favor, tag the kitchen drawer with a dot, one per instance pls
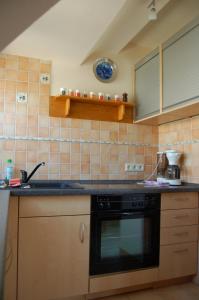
(179, 200)
(39, 206)
(181, 217)
(181, 234)
(178, 260)
(122, 280)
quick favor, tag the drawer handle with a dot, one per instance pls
(181, 250)
(181, 199)
(81, 232)
(181, 233)
(181, 216)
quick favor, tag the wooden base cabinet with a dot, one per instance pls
(178, 235)
(10, 276)
(53, 257)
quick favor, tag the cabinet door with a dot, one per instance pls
(181, 66)
(53, 257)
(147, 86)
(10, 276)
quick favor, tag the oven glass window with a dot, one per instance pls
(125, 237)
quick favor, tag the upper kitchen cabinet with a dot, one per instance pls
(178, 94)
(147, 86)
(181, 67)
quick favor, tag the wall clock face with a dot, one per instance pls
(105, 69)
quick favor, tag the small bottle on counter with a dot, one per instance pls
(125, 97)
(9, 170)
(70, 92)
(100, 96)
(108, 97)
(92, 95)
(77, 93)
(85, 94)
(63, 91)
(117, 98)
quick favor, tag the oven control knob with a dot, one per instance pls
(101, 204)
(108, 205)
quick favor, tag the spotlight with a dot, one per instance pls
(152, 13)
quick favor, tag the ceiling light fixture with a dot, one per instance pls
(152, 13)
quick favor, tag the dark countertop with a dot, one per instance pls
(96, 187)
(4, 204)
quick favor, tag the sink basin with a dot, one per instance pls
(54, 185)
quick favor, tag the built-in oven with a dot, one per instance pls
(125, 232)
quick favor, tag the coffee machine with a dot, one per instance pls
(173, 170)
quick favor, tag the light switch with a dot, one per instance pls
(45, 78)
(21, 97)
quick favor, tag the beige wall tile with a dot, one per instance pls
(11, 62)
(22, 76)
(64, 160)
(23, 63)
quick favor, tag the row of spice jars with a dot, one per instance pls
(92, 95)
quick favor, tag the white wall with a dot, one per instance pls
(75, 76)
(82, 77)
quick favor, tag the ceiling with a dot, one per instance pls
(73, 30)
(15, 17)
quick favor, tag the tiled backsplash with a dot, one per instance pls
(183, 136)
(72, 149)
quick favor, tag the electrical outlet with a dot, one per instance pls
(131, 167)
(45, 78)
(139, 167)
(22, 97)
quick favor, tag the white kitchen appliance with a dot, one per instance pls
(173, 169)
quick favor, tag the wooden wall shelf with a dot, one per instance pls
(90, 109)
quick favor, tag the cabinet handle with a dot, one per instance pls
(81, 232)
(181, 216)
(181, 233)
(181, 250)
(181, 199)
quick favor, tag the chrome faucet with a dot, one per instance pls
(24, 175)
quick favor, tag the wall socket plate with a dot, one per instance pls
(45, 78)
(22, 97)
(132, 167)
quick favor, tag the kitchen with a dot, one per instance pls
(87, 149)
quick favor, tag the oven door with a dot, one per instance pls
(124, 241)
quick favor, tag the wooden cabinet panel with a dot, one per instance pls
(181, 234)
(10, 280)
(34, 206)
(117, 281)
(181, 66)
(179, 200)
(53, 257)
(147, 86)
(178, 260)
(181, 217)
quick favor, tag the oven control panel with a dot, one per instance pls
(125, 202)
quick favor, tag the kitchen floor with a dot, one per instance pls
(188, 291)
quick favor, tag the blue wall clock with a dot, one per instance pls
(105, 69)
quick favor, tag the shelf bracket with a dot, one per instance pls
(121, 111)
(67, 107)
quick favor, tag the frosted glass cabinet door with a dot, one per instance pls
(147, 86)
(181, 66)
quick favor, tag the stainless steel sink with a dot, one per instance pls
(54, 185)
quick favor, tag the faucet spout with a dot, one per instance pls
(27, 178)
